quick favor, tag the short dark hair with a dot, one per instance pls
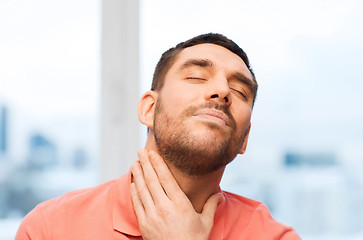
(169, 57)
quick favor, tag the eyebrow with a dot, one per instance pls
(208, 63)
(196, 62)
(244, 79)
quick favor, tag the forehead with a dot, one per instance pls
(218, 55)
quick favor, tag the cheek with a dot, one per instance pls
(243, 119)
(177, 99)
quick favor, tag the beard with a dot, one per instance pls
(196, 155)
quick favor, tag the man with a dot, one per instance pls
(198, 114)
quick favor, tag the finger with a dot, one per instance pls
(210, 208)
(141, 188)
(138, 207)
(151, 178)
(165, 177)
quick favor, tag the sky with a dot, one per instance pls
(307, 59)
(306, 55)
(50, 73)
(49, 56)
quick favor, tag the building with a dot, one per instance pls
(42, 152)
(3, 130)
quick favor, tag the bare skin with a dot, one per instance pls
(162, 208)
(197, 189)
(169, 203)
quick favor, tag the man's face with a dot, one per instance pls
(202, 114)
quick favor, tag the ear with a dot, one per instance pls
(146, 108)
(244, 144)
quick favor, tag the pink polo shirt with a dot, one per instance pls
(106, 212)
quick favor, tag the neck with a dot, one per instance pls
(197, 188)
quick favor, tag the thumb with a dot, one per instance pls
(210, 207)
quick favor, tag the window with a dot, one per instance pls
(49, 100)
(303, 156)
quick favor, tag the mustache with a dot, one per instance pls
(212, 105)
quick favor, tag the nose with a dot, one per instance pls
(219, 91)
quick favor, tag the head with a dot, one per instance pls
(168, 58)
(200, 105)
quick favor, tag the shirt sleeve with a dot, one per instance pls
(32, 227)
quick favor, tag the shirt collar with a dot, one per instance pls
(219, 221)
(124, 217)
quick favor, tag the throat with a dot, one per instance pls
(198, 188)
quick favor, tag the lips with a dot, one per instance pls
(213, 115)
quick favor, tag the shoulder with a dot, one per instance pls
(74, 199)
(70, 207)
(247, 206)
(255, 218)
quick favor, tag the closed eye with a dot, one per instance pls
(196, 79)
(240, 93)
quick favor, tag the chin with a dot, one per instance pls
(208, 136)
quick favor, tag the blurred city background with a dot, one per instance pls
(304, 157)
